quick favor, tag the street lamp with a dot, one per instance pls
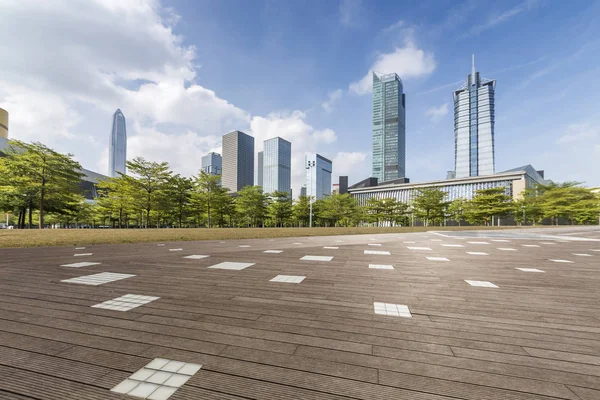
(309, 166)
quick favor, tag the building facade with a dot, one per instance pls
(118, 145)
(318, 176)
(514, 182)
(259, 169)
(277, 166)
(212, 164)
(389, 128)
(238, 161)
(474, 126)
(3, 123)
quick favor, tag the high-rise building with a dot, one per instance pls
(259, 172)
(118, 145)
(389, 128)
(277, 166)
(238, 161)
(212, 164)
(303, 190)
(318, 176)
(3, 123)
(474, 126)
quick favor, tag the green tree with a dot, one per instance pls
(251, 205)
(117, 198)
(179, 192)
(301, 210)
(149, 179)
(489, 203)
(39, 173)
(210, 195)
(429, 204)
(338, 210)
(280, 208)
(374, 210)
(457, 209)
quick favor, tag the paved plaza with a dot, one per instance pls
(502, 315)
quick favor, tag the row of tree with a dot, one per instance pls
(40, 185)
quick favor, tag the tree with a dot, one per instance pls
(429, 204)
(489, 203)
(178, 191)
(38, 173)
(210, 194)
(280, 209)
(338, 210)
(301, 210)
(568, 200)
(457, 209)
(150, 179)
(251, 205)
(117, 197)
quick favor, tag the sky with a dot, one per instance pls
(186, 72)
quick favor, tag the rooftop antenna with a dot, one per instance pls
(473, 65)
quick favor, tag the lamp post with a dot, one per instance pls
(309, 166)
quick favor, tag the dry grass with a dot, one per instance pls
(72, 237)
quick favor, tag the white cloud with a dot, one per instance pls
(496, 19)
(349, 12)
(332, 99)
(356, 165)
(435, 113)
(408, 62)
(576, 133)
(393, 27)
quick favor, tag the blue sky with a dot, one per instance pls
(294, 68)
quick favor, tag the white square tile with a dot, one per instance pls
(244, 245)
(125, 387)
(478, 242)
(288, 279)
(374, 244)
(381, 266)
(196, 256)
(419, 248)
(377, 252)
(273, 251)
(530, 245)
(79, 248)
(331, 247)
(143, 390)
(80, 264)
(232, 265)
(561, 261)
(162, 393)
(506, 249)
(189, 369)
(297, 243)
(160, 244)
(82, 254)
(530, 270)
(340, 241)
(177, 380)
(157, 363)
(316, 258)
(453, 245)
(500, 240)
(547, 243)
(98, 279)
(582, 255)
(395, 310)
(142, 374)
(594, 249)
(175, 249)
(481, 284)
(436, 240)
(173, 366)
(477, 253)
(437, 258)
(159, 377)
(409, 242)
(126, 303)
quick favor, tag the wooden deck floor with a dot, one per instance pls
(536, 336)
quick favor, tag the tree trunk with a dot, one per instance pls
(30, 223)
(42, 195)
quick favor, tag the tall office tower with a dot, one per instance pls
(3, 123)
(238, 161)
(474, 126)
(118, 145)
(277, 166)
(318, 176)
(259, 172)
(212, 164)
(303, 190)
(389, 128)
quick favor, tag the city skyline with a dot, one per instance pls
(118, 145)
(179, 101)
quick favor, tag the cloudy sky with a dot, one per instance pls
(186, 72)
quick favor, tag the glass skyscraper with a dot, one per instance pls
(389, 128)
(212, 164)
(474, 126)
(238, 161)
(318, 177)
(259, 169)
(277, 166)
(118, 145)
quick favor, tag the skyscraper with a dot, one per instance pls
(474, 126)
(238, 161)
(118, 145)
(212, 164)
(277, 166)
(259, 172)
(318, 176)
(389, 128)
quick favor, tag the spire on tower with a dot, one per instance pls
(473, 65)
